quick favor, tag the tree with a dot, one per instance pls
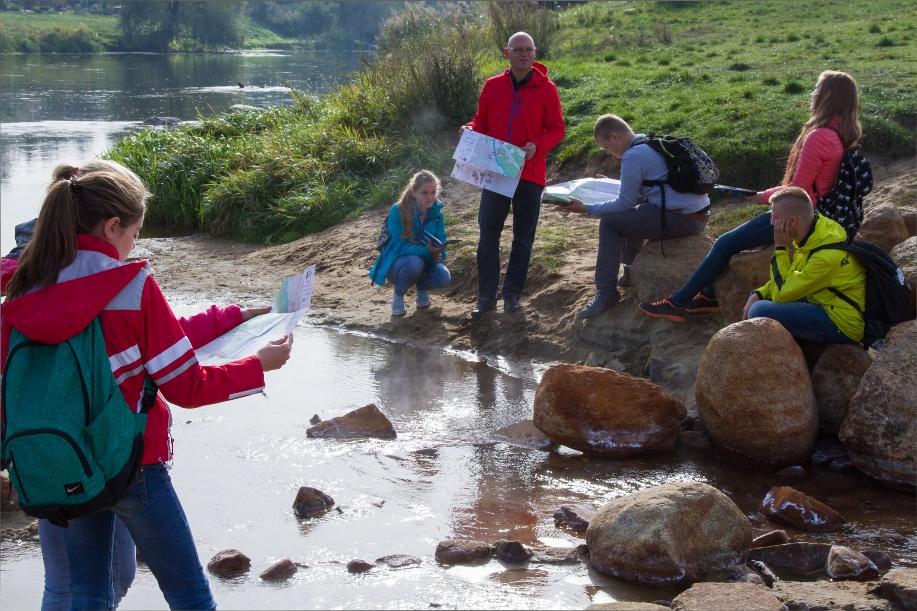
(161, 26)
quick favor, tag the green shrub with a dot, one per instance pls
(794, 87)
(507, 18)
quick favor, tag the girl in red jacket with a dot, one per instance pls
(813, 165)
(73, 271)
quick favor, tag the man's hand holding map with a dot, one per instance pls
(488, 163)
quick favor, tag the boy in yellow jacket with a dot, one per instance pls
(810, 293)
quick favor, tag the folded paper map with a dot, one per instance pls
(290, 305)
(587, 190)
(488, 163)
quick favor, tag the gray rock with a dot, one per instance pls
(846, 564)
(398, 561)
(279, 571)
(709, 596)
(655, 275)
(512, 552)
(881, 426)
(311, 502)
(315, 419)
(462, 551)
(797, 558)
(229, 563)
(572, 518)
(829, 596)
(764, 572)
(358, 566)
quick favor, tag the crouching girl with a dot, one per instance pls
(415, 251)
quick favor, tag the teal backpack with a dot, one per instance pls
(69, 440)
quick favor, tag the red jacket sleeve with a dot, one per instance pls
(169, 359)
(206, 326)
(817, 166)
(554, 126)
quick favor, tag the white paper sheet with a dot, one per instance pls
(255, 333)
(587, 190)
(488, 163)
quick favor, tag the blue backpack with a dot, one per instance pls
(69, 440)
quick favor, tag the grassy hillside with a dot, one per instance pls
(735, 76)
(53, 33)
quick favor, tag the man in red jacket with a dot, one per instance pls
(520, 106)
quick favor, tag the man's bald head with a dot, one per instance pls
(519, 38)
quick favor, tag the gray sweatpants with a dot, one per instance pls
(622, 234)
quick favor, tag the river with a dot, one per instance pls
(238, 465)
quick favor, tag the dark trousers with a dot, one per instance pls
(622, 234)
(526, 203)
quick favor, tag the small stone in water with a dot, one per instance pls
(229, 563)
(311, 502)
(774, 537)
(462, 551)
(314, 419)
(572, 518)
(280, 570)
(511, 551)
(397, 561)
(882, 560)
(846, 564)
(358, 566)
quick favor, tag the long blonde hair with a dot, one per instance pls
(407, 204)
(77, 201)
(837, 97)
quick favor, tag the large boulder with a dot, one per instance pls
(670, 534)
(745, 272)
(884, 226)
(836, 377)
(905, 255)
(711, 596)
(655, 275)
(754, 393)
(880, 431)
(367, 421)
(601, 411)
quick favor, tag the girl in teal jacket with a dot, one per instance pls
(415, 250)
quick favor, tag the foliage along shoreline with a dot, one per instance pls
(274, 176)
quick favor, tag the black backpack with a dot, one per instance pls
(888, 294)
(844, 203)
(691, 170)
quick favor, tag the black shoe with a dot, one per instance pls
(597, 305)
(511, 304)
(484, 305)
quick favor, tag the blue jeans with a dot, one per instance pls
(408, 270)
(751, 234)
(56, 596)
(154, 516)
(802, 319)
(526, 204)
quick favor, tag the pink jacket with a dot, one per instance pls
(142, 336)
(818, 165)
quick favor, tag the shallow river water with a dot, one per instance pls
(238, 465)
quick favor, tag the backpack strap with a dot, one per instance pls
(655, 183)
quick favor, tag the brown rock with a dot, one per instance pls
(367, 421)
(880, 431)
(835, 379)
(711, 596)
(311, 502)
(398, 561)
(601, 411)
(524, 434)
(797, 558)
(883, 226)
(905, 256)
(572, 518)
(358, 566)
(909, 216)
(623, 605)
(774, 537)
(279, 571)
(829, 596)
(846, 564)
(462, 551)
(511, 551)
(671, 534)
(229, 563)
(654, 275)
(792, 507)
(754, 393)
(746, 271)
(900, 586)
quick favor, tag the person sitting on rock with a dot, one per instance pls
(416, 250)
(635, 215)
(810, 291)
